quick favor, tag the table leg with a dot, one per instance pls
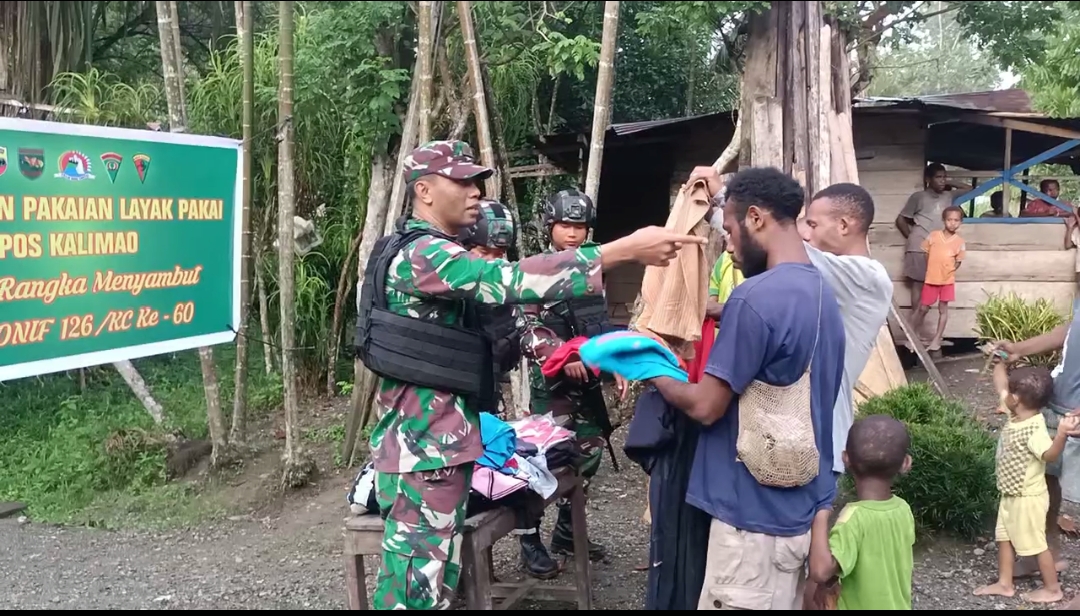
(582, 571)
(356, 585)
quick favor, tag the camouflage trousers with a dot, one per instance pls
(424, 512)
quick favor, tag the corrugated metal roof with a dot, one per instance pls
(629, 128)
(1001, 101)
(1004, 101)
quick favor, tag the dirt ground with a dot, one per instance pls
(285, 553)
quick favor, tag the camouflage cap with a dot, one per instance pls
(450, 159)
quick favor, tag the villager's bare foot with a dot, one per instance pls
(996, 590)
(935, 345)
(1044, 596)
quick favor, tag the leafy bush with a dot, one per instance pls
(1011, 317)
(951, 487)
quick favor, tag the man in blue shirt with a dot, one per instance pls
(781, 321)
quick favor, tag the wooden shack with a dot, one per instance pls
(988, 139)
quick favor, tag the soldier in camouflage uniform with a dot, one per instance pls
(490, 238)
(574, 397)
(426, 441)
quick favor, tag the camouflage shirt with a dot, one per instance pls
(422, 429)
(537, 344)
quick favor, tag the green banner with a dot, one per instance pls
(114, 244)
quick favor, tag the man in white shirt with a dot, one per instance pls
(836, 223)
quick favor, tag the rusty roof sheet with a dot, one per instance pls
(995, 101)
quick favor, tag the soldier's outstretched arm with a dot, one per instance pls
(434, 267)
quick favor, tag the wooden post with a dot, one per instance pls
(605, 81)
(1006, 190)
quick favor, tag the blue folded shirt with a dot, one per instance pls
(635, 357)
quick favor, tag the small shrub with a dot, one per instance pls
(1012, 318)
(951, 487)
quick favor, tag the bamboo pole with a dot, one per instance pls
(605, 81)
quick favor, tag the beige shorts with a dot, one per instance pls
(746, 571)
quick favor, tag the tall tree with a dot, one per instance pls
(172, 67)
(941, 60)
(424, 62)
(605, 80)
(476, 81)
(298, 467)
(244, 26)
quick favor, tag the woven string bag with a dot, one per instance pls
(776, 429)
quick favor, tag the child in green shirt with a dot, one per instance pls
(870, 548)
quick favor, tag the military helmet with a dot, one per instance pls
(493, 229)
(572, 206)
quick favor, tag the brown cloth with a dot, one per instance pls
(674, 297)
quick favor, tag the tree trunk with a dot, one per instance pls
(424, 64)
(781, 94)
(139, 388)
(364, 380)
(168, 32)
(264, 298)
(238, 6)
(178, 56)
(520, 394)
(457, 108)
(298, 468)
(605, 81)
(480, 110)
(244, 25)
(343, 287)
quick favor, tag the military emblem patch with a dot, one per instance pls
(31, 162)
(112, 162)
(74, 166)
(142, 166)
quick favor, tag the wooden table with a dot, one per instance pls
(364, 534)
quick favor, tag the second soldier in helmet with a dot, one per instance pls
(491, 237)
(574, 397)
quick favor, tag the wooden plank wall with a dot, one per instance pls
(1028, 259)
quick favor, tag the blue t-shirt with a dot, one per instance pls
(767, 333)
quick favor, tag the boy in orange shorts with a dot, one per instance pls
(944, 252)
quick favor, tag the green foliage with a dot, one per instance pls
(1016, 33)
(952, 486)
(1012, 318)
(72, 455)
(940, 60)
(1055, 81)
(1038, 40)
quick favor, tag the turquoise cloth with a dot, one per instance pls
(499, 440)
(633, 356)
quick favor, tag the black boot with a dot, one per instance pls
(534, 556)
(562, 538)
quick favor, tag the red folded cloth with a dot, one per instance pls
(566, 354)
(696, 368)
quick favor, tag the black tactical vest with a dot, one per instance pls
(586, 317)
(500, 325)
(452, 358)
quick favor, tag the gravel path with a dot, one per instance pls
(293, 560)
(290, 561)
